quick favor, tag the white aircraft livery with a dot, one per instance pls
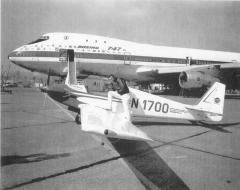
(95, 117)
(141, 63)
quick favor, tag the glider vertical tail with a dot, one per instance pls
(71, 79)
(213, 99)
(211, 105)
(71, 76)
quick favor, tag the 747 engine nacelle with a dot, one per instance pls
(195, 79)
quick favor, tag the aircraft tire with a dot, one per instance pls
(78, 119)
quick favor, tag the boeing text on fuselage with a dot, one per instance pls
(142, 63)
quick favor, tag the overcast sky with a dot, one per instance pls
(194, 24)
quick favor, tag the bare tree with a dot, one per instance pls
(4, 76)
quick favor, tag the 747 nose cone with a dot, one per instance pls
(12, 55)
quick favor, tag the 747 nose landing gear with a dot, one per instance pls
(78, 119)
(78, 116)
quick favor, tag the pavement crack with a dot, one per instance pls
(38, 124)
(192, 148)
(207, 152)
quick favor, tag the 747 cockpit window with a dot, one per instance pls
(42, 38)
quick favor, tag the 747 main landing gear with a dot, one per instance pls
(78, 117)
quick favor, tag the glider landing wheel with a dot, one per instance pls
(78, 119)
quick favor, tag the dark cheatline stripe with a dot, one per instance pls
(114, 57)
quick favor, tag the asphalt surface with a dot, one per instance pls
(43, 148)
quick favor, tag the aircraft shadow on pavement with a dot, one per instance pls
(16, 159)
(147, 164)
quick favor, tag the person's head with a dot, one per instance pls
(112, 78)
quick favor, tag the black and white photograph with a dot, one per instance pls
(120, 94)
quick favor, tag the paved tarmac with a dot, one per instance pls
(43, 148)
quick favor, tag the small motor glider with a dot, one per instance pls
(95, 118)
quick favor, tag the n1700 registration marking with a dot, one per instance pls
(151, 105)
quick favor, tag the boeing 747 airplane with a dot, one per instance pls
(140, 63)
